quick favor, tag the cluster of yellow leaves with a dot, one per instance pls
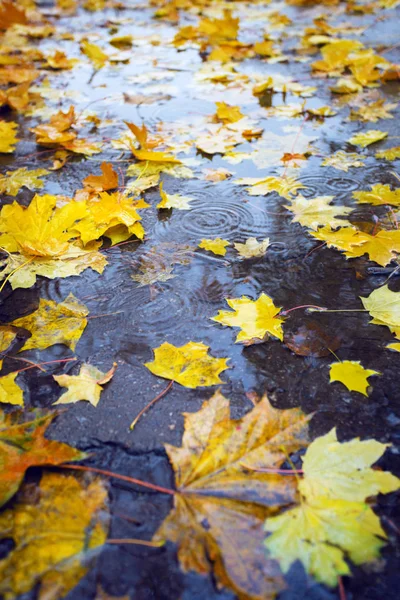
(59, 132)
(218, 483)
(333, 521)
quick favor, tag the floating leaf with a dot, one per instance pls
(94, 53)
(252, 248)
(343, 160)
(53, 323)
(174, 200)
(257, 319)
(216, 246)
(389, 154)
(85, 386)
(55, 537)
(284, 186)
(317, 211)
(352, 374)
(190, 365)
(23, 445)
(220, 498)
(384, 306)
(367, 138)
(379, 194)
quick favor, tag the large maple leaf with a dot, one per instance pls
(23, 445)
(221, 502)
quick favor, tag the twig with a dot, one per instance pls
(151, 486)
(158, 397)
(136, 541)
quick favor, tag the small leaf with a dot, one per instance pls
(85, 386)
(10, 392)
(252, 248)
(216, 246)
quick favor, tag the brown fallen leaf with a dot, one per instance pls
(220, 504)
(310, 339)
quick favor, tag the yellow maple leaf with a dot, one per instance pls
(342, 470)
(22, 272)
(190, 365)
(284, 186)
(10, 392)
(367, 138)
(216, 484)
(389, 154)
(106, 212)
(216, 246)
(374, 111)
(382, 247)
(252, 248)
(94, 53)
(384, 306)
(53, 323)
(319, 533)
(13, 181)
(337, 55)
(333, 519)
(352, 374)
(174, 200)
(227, 113)
(316, 211)
(256, 318)
(55, 536)
(59, 60)
(343, 160)
(8, 136)
(85, 386)
(108, 180)
(379, 194)
(41, 229)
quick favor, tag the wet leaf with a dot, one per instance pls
(23, 445)
(85, 386)
(389, 154)
(352, 374)
(56, 538)
(333, 522)
(174, 200)
(374, 111)
(10, 392)
(216, 246)
(343, 160)
(317, 211)
(8, 136)
(227, 113)
(53, 323)
(379, 194)
(190, 365)
(108, 180)
(257, 319)
(13, 181)
(311, 340)
(384, 306)
(219, 499)
(252, 248)
(367, 138)
(94, 53)
(284, 186)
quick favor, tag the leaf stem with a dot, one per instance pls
(146, 484)
(136, 541)
(158, 397)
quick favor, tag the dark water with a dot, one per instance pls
(179, 309)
